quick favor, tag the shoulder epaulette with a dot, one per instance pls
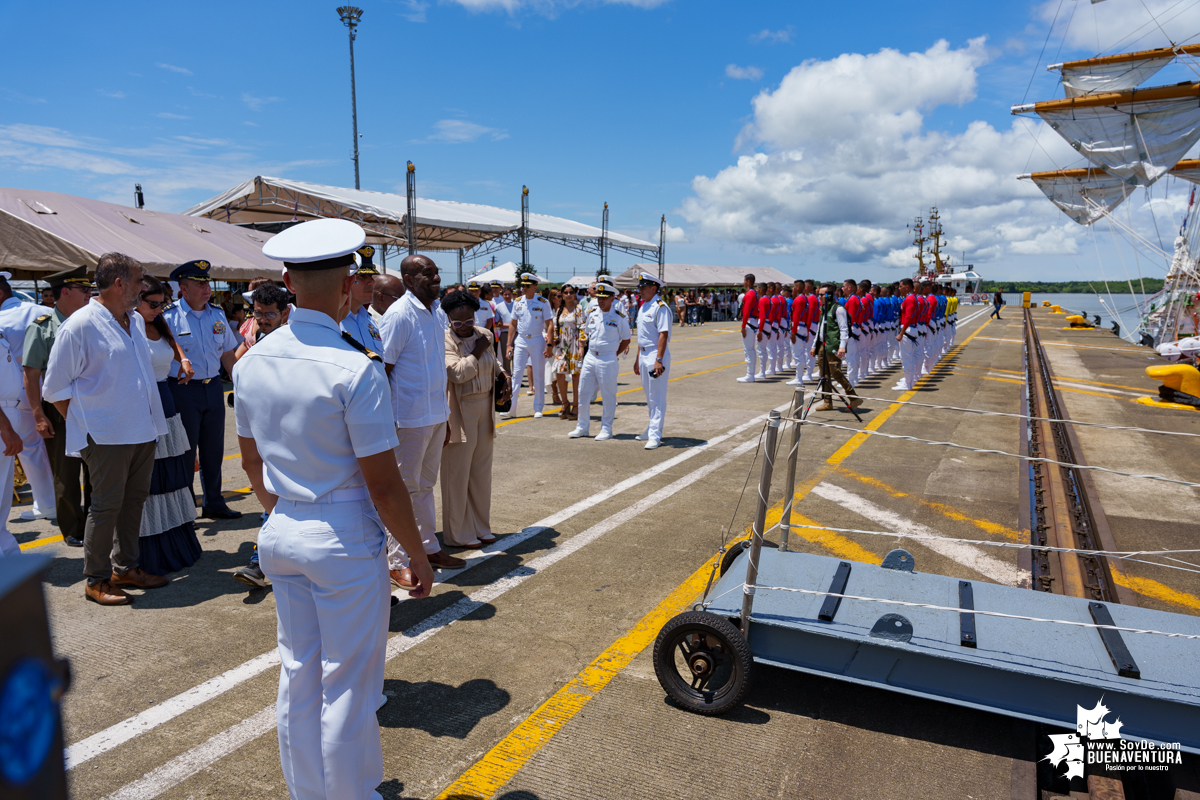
(371, 354)
(662, 303)
(170, 305)
(217, 307)
(619, 312)
(41, 319)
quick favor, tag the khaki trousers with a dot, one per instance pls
(70, 505)
(120, 483)
(419, 455)
(467, 475)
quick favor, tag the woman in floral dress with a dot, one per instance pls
(568, 350)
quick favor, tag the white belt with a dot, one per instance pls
(9, 403)
(612, 354)
(345, 495)
(529, 335)
(752, 323)
(650, 348)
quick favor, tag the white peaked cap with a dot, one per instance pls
(315, 240)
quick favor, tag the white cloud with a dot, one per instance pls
(674, 234)
(17, 97)
(169, 115)
(772, 37)
(1124, 26)
(843, 161)
(173, 68)
(460, 131)
(743, 73)
(415, 10)
(257, 103)
(114, 95)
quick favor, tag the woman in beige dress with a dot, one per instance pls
(568, 351)
(467, 458)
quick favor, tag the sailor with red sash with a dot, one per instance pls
(764, 334)
(750, 329)
(908, 337)
(867, 312)
(798, 334)
(853, 345)
(928, 304)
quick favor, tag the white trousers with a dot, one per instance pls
(327, 566)
(764, 353)
(850, 361)
(927, 347)
(599, 373)
(34, 459)
(656, 391)
(8, 542)
(750, 346)
(800, 354)
(419, 456)
(910, 357)
(530, 352)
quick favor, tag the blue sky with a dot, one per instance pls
(649, 105)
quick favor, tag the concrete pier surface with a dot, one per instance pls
(528, 675)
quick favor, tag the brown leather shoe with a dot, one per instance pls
(403, 579)
(105, 594)
(444, 560)
(138, 578)
(825, 406)
(855, 402)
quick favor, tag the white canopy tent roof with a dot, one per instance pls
(697, 275)
(505, 273)
(438, 224)
(43, 232)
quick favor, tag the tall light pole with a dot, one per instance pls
(350, 16)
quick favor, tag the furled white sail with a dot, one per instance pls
(1084, 195)
(1137, 140)
(1092, 78)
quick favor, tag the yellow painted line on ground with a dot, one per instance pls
(994, 528)
(41, 542)
(1060, 388)
(514, 751)
(1058, 377)
(1129, 349)
(1152, 588)
(686, 360)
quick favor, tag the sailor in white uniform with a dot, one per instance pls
(527, 337)
(653, 361)
(606, 330)
(359, 323)
(317, 444)
(11, 391)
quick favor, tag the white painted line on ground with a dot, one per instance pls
(178, 769)
(968, 555)
(167, 710)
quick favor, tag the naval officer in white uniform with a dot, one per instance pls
(527, 342)
(606, 330)
(317, 444)
(653, 361)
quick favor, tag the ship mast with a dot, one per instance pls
(919, 240)
(935, 233)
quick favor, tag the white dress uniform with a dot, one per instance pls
(653, 319)
(15, 318)
(605, 331)
(319, 405)
(11, 392)
(530, 348)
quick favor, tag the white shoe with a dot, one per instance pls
(537, 415)
(746, 379)
(31, 515)
(506, 415)
(794, 382)
(383, 698)
(578, 433)
(653, 444)
(770, 373)
(643, 436)
(760, 377)
(900, 387)
(603, 436)
(806, 378)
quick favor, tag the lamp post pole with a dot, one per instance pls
(350, 16)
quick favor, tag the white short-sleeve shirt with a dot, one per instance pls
(414, 341)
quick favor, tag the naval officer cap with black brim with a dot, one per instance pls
(192, 271)
(366, 265)
(646, 279)
(318, 244)
(605, 289)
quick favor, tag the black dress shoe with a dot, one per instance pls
(220, 513)
(71, 541)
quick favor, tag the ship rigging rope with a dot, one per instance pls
(1125, 555)
(751, 589)
(998, 453)
(1019, 416)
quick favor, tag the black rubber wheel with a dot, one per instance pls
(734, 550)
(703, 662)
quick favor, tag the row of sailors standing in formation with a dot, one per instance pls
(906, 321)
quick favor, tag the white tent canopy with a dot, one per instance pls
(438, 224)
(505, 273)
(49, 232)
(696, 275)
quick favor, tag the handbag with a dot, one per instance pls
(498, 392)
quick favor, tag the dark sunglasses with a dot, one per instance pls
(155, 303)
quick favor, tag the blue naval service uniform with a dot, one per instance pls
(204, 336)
(653, 318)
(319, 405)
(605, 331)
(360, 324)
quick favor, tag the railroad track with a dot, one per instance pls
(1062, 508)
